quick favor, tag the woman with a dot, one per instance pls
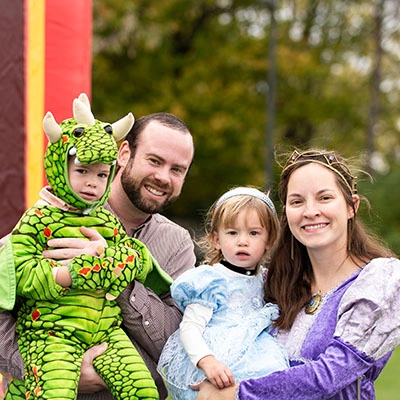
(336, 285)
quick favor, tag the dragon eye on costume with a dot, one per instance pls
(108, 129)
(78, 132)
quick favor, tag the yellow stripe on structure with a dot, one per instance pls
(34, 98)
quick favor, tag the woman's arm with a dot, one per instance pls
(207, 391)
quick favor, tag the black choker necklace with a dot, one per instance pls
(239, 270)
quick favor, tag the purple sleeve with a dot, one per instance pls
(339, 366)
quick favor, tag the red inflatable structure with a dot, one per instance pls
(45, 62)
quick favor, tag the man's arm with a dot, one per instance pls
(148, 319)
(10, 358)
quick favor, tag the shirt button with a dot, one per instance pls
(133, 298)
(147, 323)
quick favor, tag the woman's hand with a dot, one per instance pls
(90, 381)
(65, 249)
(207, 391)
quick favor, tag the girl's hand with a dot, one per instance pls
(216, 372)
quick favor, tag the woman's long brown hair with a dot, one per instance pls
(290, 273)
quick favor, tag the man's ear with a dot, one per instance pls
(124, 154)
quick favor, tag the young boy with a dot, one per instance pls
(66, 309)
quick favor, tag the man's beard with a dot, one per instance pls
(132, 189)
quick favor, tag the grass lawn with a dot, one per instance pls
(388, 384)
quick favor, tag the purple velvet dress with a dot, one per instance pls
(338, 352)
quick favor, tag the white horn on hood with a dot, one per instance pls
(51, 128)
(82, 112)
(85, 100)
(123, 126)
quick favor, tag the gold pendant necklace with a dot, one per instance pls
(314, 303)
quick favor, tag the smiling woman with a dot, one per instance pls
(336, 285)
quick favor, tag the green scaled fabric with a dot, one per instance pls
(57, 325)
(7, 277)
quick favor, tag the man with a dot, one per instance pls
(153, 163)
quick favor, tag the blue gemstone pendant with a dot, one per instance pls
(314, 303)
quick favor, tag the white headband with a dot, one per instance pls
(246, 191)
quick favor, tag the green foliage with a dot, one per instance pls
(384, 217)
(207, 61)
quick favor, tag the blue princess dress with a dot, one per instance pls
(237, 334)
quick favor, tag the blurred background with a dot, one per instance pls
(254, 77)
(250, 78)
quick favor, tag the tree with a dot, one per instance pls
(206, 61)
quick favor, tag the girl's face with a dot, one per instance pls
(88, 181)
(245, 242)
(316, 209)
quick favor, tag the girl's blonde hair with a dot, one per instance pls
(224, 214)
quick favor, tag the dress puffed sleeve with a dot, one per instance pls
(369, 317)
(203, 285)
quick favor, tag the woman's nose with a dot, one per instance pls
(312, 210)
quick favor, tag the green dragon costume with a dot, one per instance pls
(56, 325)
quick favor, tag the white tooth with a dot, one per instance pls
(154, 191)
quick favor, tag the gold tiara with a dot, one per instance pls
(329, 160)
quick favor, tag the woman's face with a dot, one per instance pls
(316, 209)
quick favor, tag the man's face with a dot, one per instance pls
(153, 179)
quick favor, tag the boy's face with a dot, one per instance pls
(88, 181)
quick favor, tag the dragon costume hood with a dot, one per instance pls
(87, 138)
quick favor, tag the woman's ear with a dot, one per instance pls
(356, 204)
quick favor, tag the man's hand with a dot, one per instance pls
(216, 372)
(65, 249)
(90, 381)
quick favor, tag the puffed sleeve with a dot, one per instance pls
(203, 285)
(369, 317)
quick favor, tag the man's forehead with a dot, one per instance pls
(164, 138)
